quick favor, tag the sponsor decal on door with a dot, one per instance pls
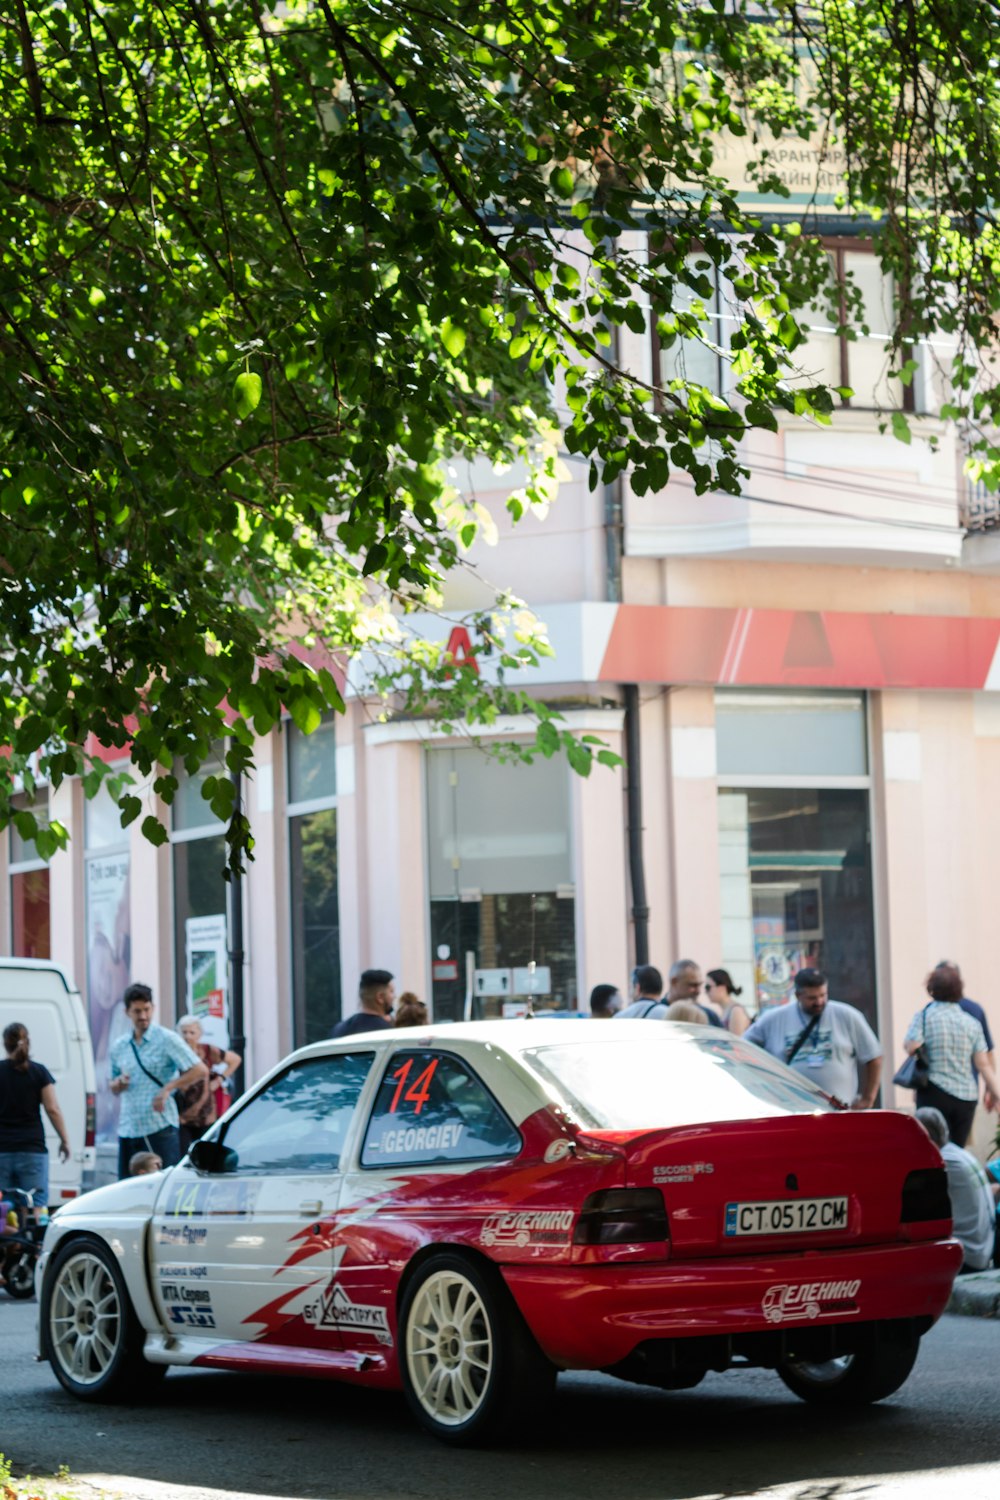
(528, 1227)
(334, 1309)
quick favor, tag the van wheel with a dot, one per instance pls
(872, 1373)
(90, 1334)
(470, 1368)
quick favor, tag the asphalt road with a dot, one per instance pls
(744, 1434)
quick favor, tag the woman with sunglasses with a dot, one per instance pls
(720, 996)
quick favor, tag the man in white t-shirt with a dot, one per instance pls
(972, 1212)
(827, 1041)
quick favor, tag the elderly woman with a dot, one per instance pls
(957, 1054)
(200, 1106)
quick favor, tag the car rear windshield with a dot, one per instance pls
(683, 1079)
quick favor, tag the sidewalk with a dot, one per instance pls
(976, 1296)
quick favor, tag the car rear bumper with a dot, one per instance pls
(591, 1317)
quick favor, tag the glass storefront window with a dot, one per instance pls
(102, 822)
(313, 897)
(498, 827)
(797, 890)
(312, 763)
(503, 932)
(791, 734)
(500, 874)
(189, 808)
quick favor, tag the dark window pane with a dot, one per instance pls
(199, 891)
(315, 925)
(809, 868)
(300, 1123)
(29, 899)
(431, 1107)
(503, 932)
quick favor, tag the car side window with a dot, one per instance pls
(431, 1107)
(300, 1121)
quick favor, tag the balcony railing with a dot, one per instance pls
(979, 510)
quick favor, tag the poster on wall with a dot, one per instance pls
(207, 987)
(108, 975)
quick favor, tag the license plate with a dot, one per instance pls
(803, 1216)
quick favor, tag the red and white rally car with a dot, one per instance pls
(465, 1210)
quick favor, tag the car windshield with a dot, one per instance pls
(688, 1078)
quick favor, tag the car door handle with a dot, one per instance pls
(309, 1210)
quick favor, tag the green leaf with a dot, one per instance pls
(453, 338)
(563, 182)
(154, 831)
(901, 427)
(129, 808)
(247, 393)
(305, 714)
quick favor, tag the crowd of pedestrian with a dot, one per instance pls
(172, 1085)
(832, 1044)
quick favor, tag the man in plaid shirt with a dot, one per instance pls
(147, 1067)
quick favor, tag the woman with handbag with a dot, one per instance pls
(953, 1047)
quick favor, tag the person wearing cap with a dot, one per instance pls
(827, 1041)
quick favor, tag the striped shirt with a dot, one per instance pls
(165, 1054)
(953, 1038)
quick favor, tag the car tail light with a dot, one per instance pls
(925, 1196)
(90, 1122)
(622, 1216)
(68, 1193)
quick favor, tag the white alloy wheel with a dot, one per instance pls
(450, 1348)
(86, 1319)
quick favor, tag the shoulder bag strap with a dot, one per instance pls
(803, 1036)
(142, 1065)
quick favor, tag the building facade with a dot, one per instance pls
(803, 683)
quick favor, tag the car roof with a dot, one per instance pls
(513, 1036)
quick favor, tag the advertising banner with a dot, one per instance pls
(108, 974)
(207, 976)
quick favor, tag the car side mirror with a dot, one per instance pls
(212, 1156)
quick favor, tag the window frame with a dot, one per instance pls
(451, 1161)
(839, 246)
(220, 1131)
(721, 388)
(303, 809)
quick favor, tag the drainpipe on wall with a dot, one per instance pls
(237, 1029)
(637, 869)
(613, 548)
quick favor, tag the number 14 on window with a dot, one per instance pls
(419, 1091)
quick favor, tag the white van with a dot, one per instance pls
(43, 998)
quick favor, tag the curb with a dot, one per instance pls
(976, 1296)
